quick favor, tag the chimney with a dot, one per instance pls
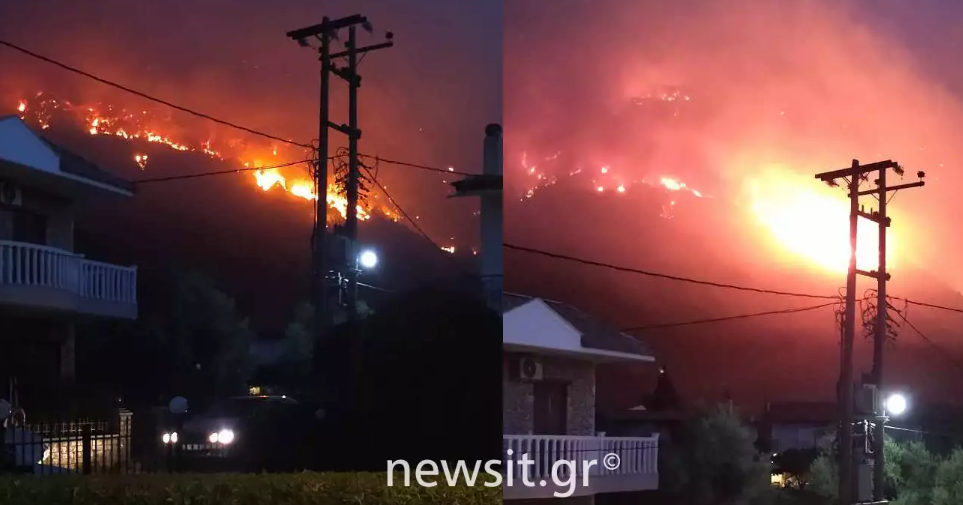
(488, 188)
(491, 220)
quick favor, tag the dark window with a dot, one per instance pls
(29, 227)
(551, 408)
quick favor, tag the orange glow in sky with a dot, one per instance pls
(809, 220)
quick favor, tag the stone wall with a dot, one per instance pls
(518, 396)
(57, 211)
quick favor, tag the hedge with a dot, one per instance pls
(234, 489)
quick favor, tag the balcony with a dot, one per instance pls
(47, 278)
(637, 468)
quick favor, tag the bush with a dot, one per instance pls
(276, 489)
(717, 462)
(949, 480)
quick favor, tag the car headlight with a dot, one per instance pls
(174, 437)
(223, 437)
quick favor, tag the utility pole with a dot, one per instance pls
(354, 134)
(848, 479)
(325, 32)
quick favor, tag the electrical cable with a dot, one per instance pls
(664, 276)
(936, 346)
(376, 288)
(149, 97)
(728, 318)
(218, 172)
(930, 305)
(203, 115)
(400, 210)
(415, 165)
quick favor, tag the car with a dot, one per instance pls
(244, 433)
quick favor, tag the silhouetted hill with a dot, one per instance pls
(255, 244)
(787, 356)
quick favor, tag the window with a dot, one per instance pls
(29, 227)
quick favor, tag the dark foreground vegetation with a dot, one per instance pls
(276, 489)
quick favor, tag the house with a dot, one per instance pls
(45, 286)
(796, 425)
(660, 412)
(550, 355)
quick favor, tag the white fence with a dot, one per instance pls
(633, 455)
(48, 267)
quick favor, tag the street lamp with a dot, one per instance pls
(895, 404)
(368, 259)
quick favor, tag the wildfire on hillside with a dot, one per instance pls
(142, 125)
(794, 214)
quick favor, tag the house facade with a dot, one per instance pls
(550, 355)
(45, 286)
(785, 426)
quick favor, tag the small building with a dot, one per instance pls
(45, 286)
(551, 351)
(795, 425)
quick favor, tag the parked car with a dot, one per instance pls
(245, 433)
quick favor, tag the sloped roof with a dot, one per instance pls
(595, 333)
(800, 412)
(74, 164)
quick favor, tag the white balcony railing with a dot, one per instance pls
(635, 455)
(24, 264)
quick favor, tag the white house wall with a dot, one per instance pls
(536, 325)
(20, 145)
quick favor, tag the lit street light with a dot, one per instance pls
(895, 404)
(368, 259)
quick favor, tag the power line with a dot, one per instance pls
(930, 305)
(376, 288)
(217, 172)
(207, 116)
(664, 276)
(400, 210)
(923, 432)
(729, 318)
(415, 165)
(927, 339)
(149, 97)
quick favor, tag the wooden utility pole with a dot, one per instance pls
(325, 32)
(848, 478)
(354, 134)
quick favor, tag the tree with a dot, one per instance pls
(949, 480)
(299, 341)
(911, 472)
(414, 381)
(189, 340)
(717, 462)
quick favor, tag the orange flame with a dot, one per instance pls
(811, 221)
(141, 125)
